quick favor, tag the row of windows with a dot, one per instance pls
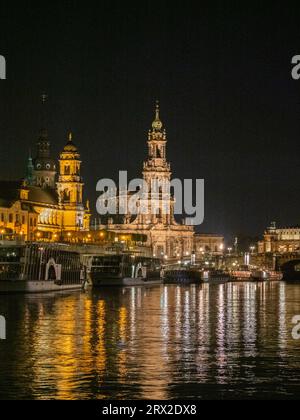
(281, 232)
(11, 218)
(209, 248)
(288, 248)
(67, 170)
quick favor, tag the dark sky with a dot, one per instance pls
(222, 75)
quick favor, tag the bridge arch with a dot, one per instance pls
(291, 269)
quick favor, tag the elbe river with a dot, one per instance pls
(228, 341)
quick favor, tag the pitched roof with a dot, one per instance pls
(43, 195)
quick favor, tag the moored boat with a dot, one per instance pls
(182, 275)
(275, 275)
(243, 274)
(215, 276)
(266, 275)
(260, 275)
(36, 268)
(123, 270)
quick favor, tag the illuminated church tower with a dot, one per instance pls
(157, 168)
(70, 188)
(165, 236)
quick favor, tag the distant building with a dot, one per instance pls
(280, 240)
(208, 244)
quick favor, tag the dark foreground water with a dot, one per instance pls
(230, 341)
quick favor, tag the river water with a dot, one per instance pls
(209, 342)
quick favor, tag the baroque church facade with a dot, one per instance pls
(48, 203)
(166, 237)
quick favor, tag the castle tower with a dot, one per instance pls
(157, 168)
(44, 167)
(70, 187)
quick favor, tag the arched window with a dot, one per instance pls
(52, 273)
(66, 196)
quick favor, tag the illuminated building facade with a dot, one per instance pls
(17, 215)
(281, 241)
(208, 244)
(39, 208)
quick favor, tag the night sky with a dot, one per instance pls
(222, 75)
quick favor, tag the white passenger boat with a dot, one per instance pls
(123, 270)
(260, 275)
(37, 267)
(266, 275)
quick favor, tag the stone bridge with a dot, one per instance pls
(289, 264)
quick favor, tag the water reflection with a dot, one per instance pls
(227, 341)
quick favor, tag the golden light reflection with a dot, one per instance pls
(100, 350)
(87, 327)
(123, 318)
(89, 346)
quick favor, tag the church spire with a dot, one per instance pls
(70, 137)
(44, 166)
(44, 131)
(157, 110)
(157, 124)
(30, 169)
(43, 144)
